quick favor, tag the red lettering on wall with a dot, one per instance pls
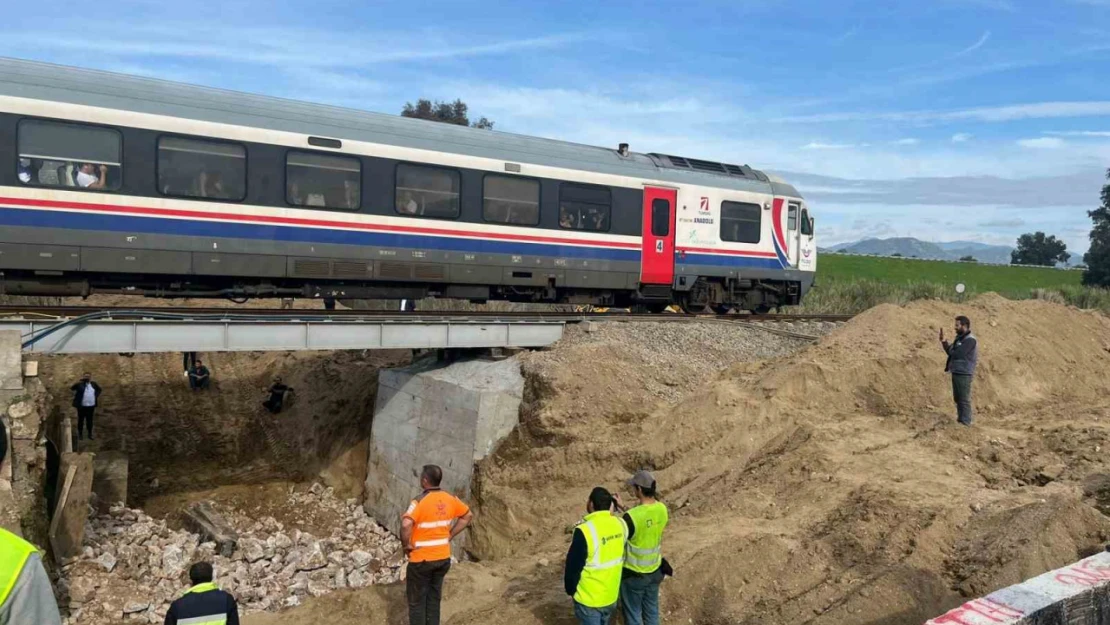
(979, 612)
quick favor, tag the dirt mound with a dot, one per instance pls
(830, 486)
(886, 360)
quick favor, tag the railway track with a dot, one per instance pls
(107, 312)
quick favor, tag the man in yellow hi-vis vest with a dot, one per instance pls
(593, 568)
(643, 555)
(25, 594)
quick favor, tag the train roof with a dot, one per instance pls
(44, 81)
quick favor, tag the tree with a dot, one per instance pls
(1097, 257)
(1037, 249)
(455, 112)
(969, 259)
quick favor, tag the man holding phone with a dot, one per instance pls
(963, 355)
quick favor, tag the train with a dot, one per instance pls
(130, 185)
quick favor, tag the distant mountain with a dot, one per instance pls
(909, 247)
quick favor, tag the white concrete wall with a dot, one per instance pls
(428, 413)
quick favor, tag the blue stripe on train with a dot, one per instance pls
(183, 227)
(300, 234)
(729, 261)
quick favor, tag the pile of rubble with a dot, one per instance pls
(133, 566)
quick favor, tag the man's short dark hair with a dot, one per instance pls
(601, 499)
(964, 321)
(200, 573)
(432, 473)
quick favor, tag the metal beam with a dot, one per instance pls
(153, 335)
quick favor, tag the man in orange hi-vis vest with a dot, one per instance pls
(427, 527)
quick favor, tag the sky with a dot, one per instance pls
(940, 119)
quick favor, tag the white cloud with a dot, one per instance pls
(817, 145)
(1081, 133)
(1046, 143)
(907, 141)
(975, 46)
(961, 137)
(1036, 110)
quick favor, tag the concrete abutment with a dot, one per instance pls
(450, 415)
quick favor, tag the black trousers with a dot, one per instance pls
(188, 360)
(424, 588)
(961, 393)
(85, 417)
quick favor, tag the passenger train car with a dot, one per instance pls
(111, 183)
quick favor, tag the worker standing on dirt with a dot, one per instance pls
(963, 355)
(432, 520)
(204, 603)
(86, 396)
(25, 593)
(643, 553)
(593, 569)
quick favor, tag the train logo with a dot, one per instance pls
(806, 252)
(704, 206)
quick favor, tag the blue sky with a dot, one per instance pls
(941, 119)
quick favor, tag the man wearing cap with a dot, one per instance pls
(593, 568)
(643, 556)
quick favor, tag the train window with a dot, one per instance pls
(427, 191)
(584, 207)
(792, 217)
(807, 224)
(511, 200)
(58, 154)
(200, 168)
(740, 222)
(660, 217)
(323, 181)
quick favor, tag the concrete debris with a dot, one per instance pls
(132, 566)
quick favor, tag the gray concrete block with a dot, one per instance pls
(212, 526)
(429, 413)
(67, 529)
(1074, 595)
(11, 360)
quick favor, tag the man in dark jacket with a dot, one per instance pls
(204, 602)
(277, 396)
(86, 396)
(963, 355)
(199, 376)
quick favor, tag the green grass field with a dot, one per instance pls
(1006, 280)
(852, 284)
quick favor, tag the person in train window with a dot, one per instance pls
(25, 170)
(210, 185)
(295, 194)
(597, 219)
(566, 219)
(407, 205)
(87, 176)
(350, 194)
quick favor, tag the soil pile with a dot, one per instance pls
(831, 486)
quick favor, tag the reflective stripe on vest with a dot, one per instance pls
(211, 619)
(600, 583)
(215, 619)
(644, 552)
(14, 553)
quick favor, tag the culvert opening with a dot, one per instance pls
(288, 486)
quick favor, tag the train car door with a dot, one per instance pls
(793, 238)
(657, 254)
